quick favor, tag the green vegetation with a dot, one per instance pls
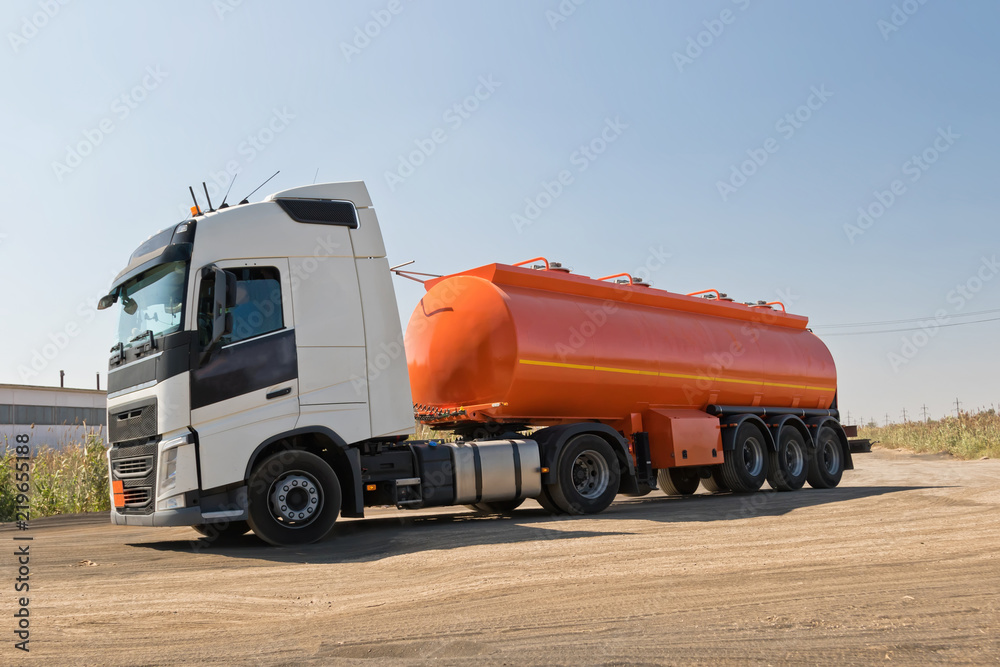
(971, 436)
(71, 479)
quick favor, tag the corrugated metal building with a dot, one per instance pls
(51, 416)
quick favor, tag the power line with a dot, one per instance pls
(914, 319)
(939, 326)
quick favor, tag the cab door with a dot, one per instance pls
(246, 389)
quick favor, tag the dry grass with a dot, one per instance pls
(71, 479)
(972, 436)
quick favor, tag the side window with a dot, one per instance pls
(258, 303)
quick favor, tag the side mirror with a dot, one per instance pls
(107, 300)
(223, 297)
(230, 289)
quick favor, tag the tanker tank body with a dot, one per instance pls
(696, 390)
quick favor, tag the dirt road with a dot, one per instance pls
(897, 565)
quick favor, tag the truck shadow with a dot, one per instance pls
(374, 539)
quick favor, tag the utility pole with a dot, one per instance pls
(887, 419)
(923, 411)
(958, 409)
(904, 415)
(849, 417)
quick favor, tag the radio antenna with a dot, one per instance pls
(204, 185)
(196, 207)
(224, 204)
(316, 175)
(246, 200)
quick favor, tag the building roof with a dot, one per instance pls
(30, 387)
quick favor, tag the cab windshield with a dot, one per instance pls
(152, 301)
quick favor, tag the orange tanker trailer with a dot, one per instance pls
(702, 389)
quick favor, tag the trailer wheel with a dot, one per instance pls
(223, 533)
(745, 468)
(714, 483)
(678, 481)
(294, 498)
(496, 506)
(587, 476)
(788, 468)
(826, 466)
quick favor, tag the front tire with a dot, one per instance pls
(294, 498)
(587, 476)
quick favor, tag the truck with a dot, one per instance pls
(260, 380)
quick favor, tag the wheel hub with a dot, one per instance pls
(831, 457)
(753, 456)
(794, 460)
(295, 499)
(591, 474)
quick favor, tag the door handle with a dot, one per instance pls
(279, 392)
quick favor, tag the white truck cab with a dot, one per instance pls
(241, 331)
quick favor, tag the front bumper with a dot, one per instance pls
(189, 516)
(154, 482)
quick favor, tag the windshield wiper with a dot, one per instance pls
(149, 344)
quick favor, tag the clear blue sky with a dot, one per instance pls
(198, 80)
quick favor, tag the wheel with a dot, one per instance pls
(496, 506)
(678, 481)
(294, 498)
(745, 468)
(826, 465)
(223, 532)
(714, 483)
(587, 476)
(545, 500)
(787, 468)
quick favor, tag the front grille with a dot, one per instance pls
(135, 466)
(132, 423)
(137, 497)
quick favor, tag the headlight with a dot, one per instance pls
(168, 471)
